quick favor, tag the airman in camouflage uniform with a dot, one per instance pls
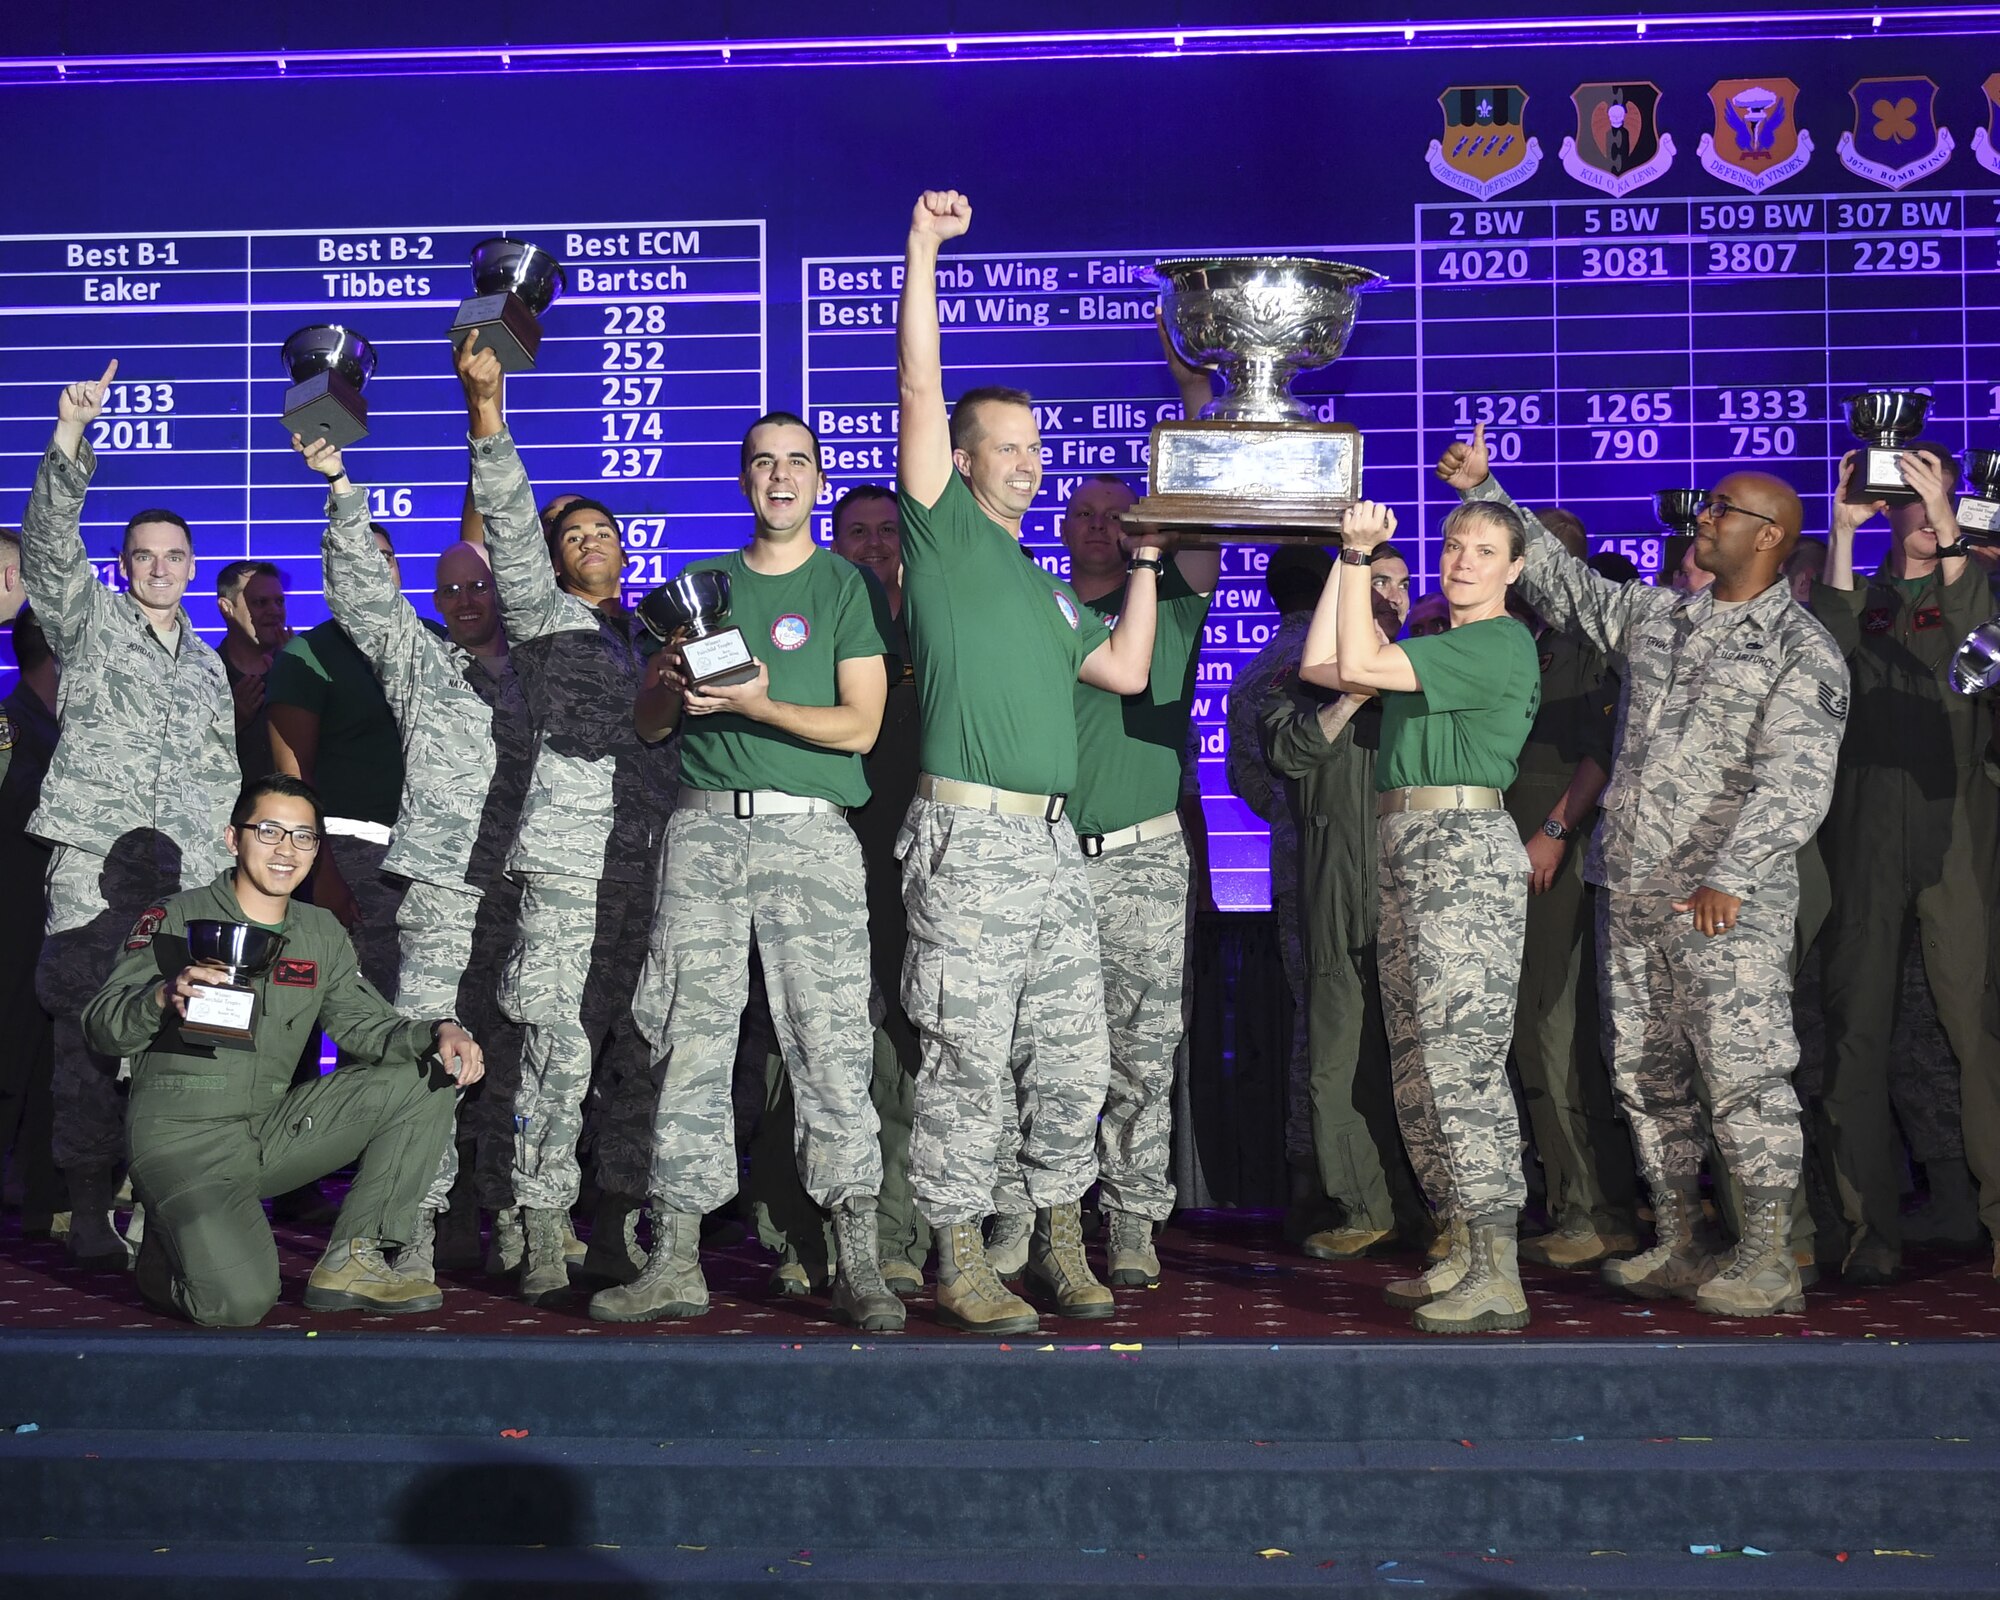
(589, 837)
(136, 796)
(1727, 746)
(466, 753)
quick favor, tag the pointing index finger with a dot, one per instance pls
(110, 372)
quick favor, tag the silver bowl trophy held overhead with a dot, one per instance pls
(1680, 509)
(695, 604)
(329, 365)
(1885, 421)
(228, 1010)
(1255, 467)
(517, 282)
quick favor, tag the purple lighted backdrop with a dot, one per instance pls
(731, 231)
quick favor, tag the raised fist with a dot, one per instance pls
(1463, 465)
(941, 214)
(321, 455)
(478, 372)
(1367, 524)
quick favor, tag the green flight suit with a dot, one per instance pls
(1330, 790)
(1910, 847)
(213, 1128)
(1585, 1147)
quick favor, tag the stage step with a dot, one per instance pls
(900, 1465)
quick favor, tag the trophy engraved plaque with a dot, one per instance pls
(517, 282)
(1885, 421)
(1979, 507)
(329, 364)
(228, 1010)
(695, 604)
(1680, 509)
(1255, 467)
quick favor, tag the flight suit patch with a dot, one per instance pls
(144, 929)
(293, 974)
(1926, 619)
(1877, 619)
(6, 732)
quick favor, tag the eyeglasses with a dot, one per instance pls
(451, 591)
(274, 833)
(1715, 508)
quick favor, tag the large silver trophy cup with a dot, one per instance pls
(1979, 504)
(1885, 421)
(243, 950)
(328, 365)
(517, 282)
(1255, 467)
(689, 613)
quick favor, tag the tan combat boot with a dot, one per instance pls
(503, 1255)
(1344, 1243)
(1130, 1261)
(1762, 1279)
(1489, 1298)
(903, 1277)
(790, 1280)
(969, 1294)
(1007, 1244)
(544, 1264)
(418, 1258)
(352, 1276)
(671, 1284)
(1678, 1264)
(1443, 1276)
(860, 1297)
(614, 1255)
(1057, 1270)
(1580, 1239)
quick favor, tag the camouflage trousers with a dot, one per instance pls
(568, 984)
(794, 884)
(1681, 1004)
(1299, 1153)
(1141, 897)
(1454, 905)
(454, 944)
(93, 902)
(1001, 979)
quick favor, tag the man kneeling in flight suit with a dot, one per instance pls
(213, 1126)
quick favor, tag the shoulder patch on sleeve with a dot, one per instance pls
(6, 732)
(144, 929)
(1833, 702)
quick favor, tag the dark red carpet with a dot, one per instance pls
(1229, 1275)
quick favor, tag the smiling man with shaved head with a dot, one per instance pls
(1736, 701)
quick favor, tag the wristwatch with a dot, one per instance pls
(1555, 830)
(1152, 564)
(1355, 556)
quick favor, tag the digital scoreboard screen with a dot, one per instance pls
(1636, 271)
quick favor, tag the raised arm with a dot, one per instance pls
(1123, 663)
(923, 427)
(1565, 592)
(1363, 659)
(531, 603)
(55, 566)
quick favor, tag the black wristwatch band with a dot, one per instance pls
(1152, 564)
(1356, 557)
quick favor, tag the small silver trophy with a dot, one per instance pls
(517, 282)
(1255, 466)
(1976, 666)
(1680, 509)
(693, 607)
(329, 364)
(1885, 421)
(228, 1010)
(1979, 509)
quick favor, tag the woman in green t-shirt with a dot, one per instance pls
(1456, 709)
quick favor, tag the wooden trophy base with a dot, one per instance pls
(718, 657)
(506, 327)
(226, 1012)
(326, 406)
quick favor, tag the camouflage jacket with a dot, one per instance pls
(148, 729)
(598, 795)
(1730, 731)
(464, 727)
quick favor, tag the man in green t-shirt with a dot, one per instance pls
(1003, 940)
(331, 727)
(1127, 816)
(758, 849)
